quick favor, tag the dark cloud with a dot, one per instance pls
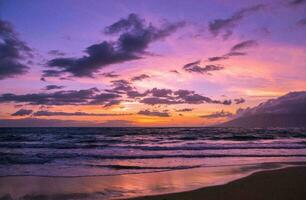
(297, 2)
(134, 37)
(136, 94)
(160, 92)
(218, 58)
(112, 102)
(121, 86)
(236, 54)
(54, 87)
(184, 110)
(235, 50)
(140, 77)
(221, 114)
(239, 101)
(243, 45)
(226, 26)
(175, 71)
(168, 97)
(196, 68)
(291, 103)
(302, 22)
(36, 122)
(22, 112)
(50, 113)
(154, 113)
(51, 73)
(159, 101)
(125, 87)
(13, 52)
(56, 53)
(106, 99)
(90, 96)
(110, 75)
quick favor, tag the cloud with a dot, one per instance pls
(214, 115)
(169, 97)
(234, 51)
(302, 22)
(291, 103)
(90, 96)
(160, 92)
(36, 122)
(175, 71)
(243, 45)
(297, 2)
(184, 110)
(218, 58)
(54, 87)
(13, 52)
(110, 75)
(153, 113)
(226, 26)
(239, 101)
(50, 113)
(22, 112)
(159, 101)
(194, 67)
(50, 73)
(121, 86)
(134, 37)
(140, 77)
(56, 53)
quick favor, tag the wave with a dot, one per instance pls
(23, 159)
(129, 167)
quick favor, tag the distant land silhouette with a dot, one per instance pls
(284, 112)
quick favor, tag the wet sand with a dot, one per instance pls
(281, 184)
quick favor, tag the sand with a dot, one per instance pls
(282, 184)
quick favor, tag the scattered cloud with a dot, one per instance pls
(154, 113)
(184, 110)
(302, 22)
(110, 75)
(13, 52)
(235, 50)
(169, 97)
(134, 37)
(196, 68)
(226, 26)
(56, 53)
(243, 45)
(175, 71)
(51, 113)
(221, 114)
(239, 101)
(297, 2)
(22, 112)
(54, 87)
(37, 122)
(90, 96)
(140, 77)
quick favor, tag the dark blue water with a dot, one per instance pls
(109, 151)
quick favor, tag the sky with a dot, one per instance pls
(146, 63)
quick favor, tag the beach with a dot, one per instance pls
(281, 184)
(261, 181)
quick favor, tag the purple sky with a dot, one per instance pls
(202, 58)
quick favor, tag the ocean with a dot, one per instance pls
(77, 152)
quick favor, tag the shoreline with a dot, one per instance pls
(278, 184)
(298, 163)
(129, 186)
